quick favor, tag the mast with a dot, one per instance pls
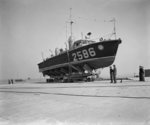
(70, 22)
(70, 69)
(114, 27)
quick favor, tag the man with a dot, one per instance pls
(9, 81)
(143, 74)
(114, 73)
(140, 73)
(111, 74)
(12, 81)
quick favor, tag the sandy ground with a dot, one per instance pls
(91, 103)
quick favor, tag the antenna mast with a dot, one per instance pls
(114, 27)
(70, 22)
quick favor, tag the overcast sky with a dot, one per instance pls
(29, 27)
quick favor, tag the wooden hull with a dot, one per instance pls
(94, 56)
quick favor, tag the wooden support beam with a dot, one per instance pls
(79, 69)
(74, 68)
(52, 72)
(64, 70)
(88, 68)
(49, 73)
(57, 71)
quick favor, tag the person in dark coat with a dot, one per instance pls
(143, 74)
(9, 81)
(111, 74)
(140, 73)
(114, 73)
(12, 81)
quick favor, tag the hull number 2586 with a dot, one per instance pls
(83, 54)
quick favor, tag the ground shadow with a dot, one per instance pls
(64, 94)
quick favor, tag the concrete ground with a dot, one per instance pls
(84, 103)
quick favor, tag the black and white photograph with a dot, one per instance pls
(74, 62)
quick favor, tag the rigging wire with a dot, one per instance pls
(79, 17)
(97, 20)
(102, 36)
(66, 33)
(65, 26)
(60, 32)
(92, 19)
(77, 30)
(105, 21)
(75, 22)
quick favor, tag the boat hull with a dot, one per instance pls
(96, 55)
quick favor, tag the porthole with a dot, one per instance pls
(100, 47)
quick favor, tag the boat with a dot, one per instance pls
(82, 58)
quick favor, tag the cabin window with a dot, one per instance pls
(78, 44)
(84, 42)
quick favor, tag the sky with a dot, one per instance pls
(29, 27)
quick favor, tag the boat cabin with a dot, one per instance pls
(80, 43)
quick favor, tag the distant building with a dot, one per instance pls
(147, 72)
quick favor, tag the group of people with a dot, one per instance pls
(113, 73)
(10, 81)
(141, 73)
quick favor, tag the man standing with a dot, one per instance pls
(111, 74)
(9, 81)
(114, 73)
(140, 73)
(143, 74)
(12, 81)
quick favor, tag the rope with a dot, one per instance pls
(61, 32)
(110, 35)
(103, 36)
(92, 19)
(66, 32)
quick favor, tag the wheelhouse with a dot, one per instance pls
(80, 43)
